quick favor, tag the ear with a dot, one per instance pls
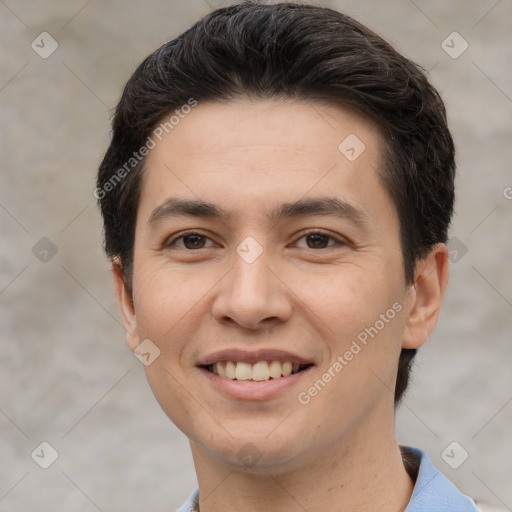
(426, 296)
(126, 306)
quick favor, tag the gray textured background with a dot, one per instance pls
(66, 375)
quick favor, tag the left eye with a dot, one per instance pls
(318, 240)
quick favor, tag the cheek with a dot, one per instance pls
(348, 298)
(167, 303)
(361, 311)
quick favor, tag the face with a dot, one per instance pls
(264, 247)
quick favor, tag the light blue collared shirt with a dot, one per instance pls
(433, 492)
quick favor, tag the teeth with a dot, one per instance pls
(230, 369)
(286, 369)
(275, 369)
(221, 369)
(243, 371)
(260, 371)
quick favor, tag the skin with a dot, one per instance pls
(308, 296)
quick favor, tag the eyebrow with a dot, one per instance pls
(175, 207)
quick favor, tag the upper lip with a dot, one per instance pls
(253, 356)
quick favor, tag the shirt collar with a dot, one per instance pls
(432, 490)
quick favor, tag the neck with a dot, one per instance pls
(363, 473)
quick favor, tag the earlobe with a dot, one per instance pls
(126, 306)
(426, 296)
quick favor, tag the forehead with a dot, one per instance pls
(245, 153)
(242, 123)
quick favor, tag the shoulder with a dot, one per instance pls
(191, 505)
(433, 490)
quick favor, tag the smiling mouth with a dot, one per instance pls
(260, 371)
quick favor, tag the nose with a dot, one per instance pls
(252, 295)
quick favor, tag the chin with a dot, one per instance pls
(254, 453)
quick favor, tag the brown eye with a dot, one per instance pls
(188, 241)
(194, 241)
(318, 241)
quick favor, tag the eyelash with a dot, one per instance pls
(170, 243)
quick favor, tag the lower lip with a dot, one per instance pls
(253, 390)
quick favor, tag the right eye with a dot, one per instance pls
(192, 240)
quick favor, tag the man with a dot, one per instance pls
(276, 200)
